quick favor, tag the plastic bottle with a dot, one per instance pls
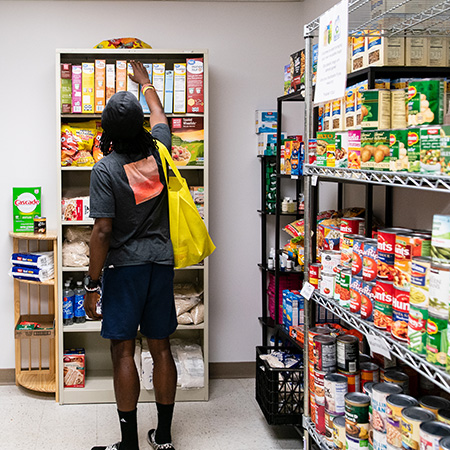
(284, 205)
(68, 301)
(79, 312)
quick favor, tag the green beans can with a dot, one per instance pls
(420, 282)
(439, 289)
(440, 239)
(417, 329)
(437, 341)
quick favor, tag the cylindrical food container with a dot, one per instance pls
(364, 358)
(330, 259)
(380, 392)
(386, 252)
(324, 352)
(314, 332)
(353, 380)
(439, 289)
(344, 288)
(346, 248)
(336, 387)
(339, 433)
(417, 329)
(420, 282)
(354, 443)
(434, 403)
(320, 419)
(370, 372)
(357, 415)
(394, 406)
(311, 376)
(431, 433)
(327, 282)
(403, 256)
(368, 388)
(314, 274)
(393, 376)
(329, 427)
(356, 285)
(337, 282)
(422, 244)
(369, 271)
(319, 386)
(379, 440)
(347, 349)
(312, 407)
(437, 338)
(384, 294)
(412, 417)
(351, 225)
(400, 314)
(444, 443)
(443, 416)
(368, 300)
(358, 256)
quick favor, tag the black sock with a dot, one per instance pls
(165, 413)
(128, 427)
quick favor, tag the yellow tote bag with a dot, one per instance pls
(188, 233)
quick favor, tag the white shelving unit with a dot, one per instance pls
(99, 383)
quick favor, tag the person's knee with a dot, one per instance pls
(159, 348)
(122, 349)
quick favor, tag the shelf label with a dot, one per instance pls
(307, 290)
(378, 345)
(314, 180)
(333, 48)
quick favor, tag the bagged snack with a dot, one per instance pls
(123, 43)
(76, 145)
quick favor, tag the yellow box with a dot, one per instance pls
(100, 77)
(159, 73)
(121, 76)
(87, 83)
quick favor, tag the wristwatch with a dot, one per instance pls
(91, 285)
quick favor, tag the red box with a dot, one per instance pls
(74, 368)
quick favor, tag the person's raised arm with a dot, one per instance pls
(156, 109)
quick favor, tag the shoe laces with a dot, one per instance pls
(165, 447)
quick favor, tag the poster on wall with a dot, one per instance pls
(332, 63)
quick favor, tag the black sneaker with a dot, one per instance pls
(151, 440)
(110, 447)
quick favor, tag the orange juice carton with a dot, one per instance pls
(76, 89)
(110, 81)
(88, 84)
(100, 79)
(168, 92)
(121, 76)
(195, 85)
(74, 368)
(159, 75)
(179, 99)
(66, 88)
(132, 86)
(145, 108)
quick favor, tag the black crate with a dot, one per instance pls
(279, 392)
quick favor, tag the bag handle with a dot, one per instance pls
(165, 155)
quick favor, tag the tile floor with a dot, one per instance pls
(231, 420)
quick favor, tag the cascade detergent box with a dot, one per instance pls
(188, 136)
(66, 88)
(195, 89)
(100, 81)
(26, 205)
(88, 84)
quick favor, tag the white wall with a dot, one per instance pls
(249, 44)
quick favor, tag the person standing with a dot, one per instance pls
(131, 243)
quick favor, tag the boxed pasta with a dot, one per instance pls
(74, 361)
(359, 51)
(121, 76)
(66, 88)
(76, 89)
(383, 51)
(179, 99)
(327, 124)
(188, 136)
(100, 81)
(195, 85)
(88, 84)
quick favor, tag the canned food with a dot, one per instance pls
(382, 316)
(437, 339)
(353, 380)
(431, 433)
(400, 314)
(386, 252)
(314, 332)
(354, 443)
(347, 349)
(312, 407)
(403, 257)
(356, 286)
(417, 329)
(337, 279)
(346, 248)
(379, 440)
(367, 388)
(369, 271)
(40, 225)
(370, 372)
(364, 358)
(394, 406)
(444, 443)
(319, 386)
(439, 289)
(380, 392)
(357, 415)
(335, 389)
(314, 274)
(339, 433)
(368, 300)
(327, 282)
(324, 352)
(397, 377)
(311, 375)
(421, 244)
(351, 225)
(412, 417)
(443, 415)
(329, 427)
(330, 259)
(434, 403)
(420, 282)
(320, 419)
(358, 256)
(344, 288)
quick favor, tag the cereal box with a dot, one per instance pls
(168, 93)
(143, 102)
(26, 206)
(195, 85)
(121, 76)
(179, 88)
(100, 85)
(74, 361)
(414, 150)
(354, 149)
(66, 88)
(398, 143)
(110, 81)
(188, 141)
(132, 86)
(88, 84)
(325, 145)
(76, 89)
(159, 75)
(430, 150)
(426, 102)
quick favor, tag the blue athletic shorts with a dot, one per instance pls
(138, 296)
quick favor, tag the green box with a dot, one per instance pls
(398, 144)
(367, 150)
(430, 150)
(426, 102)
(414, 150)
(382, 152)
(445, 150)
(26, 206)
